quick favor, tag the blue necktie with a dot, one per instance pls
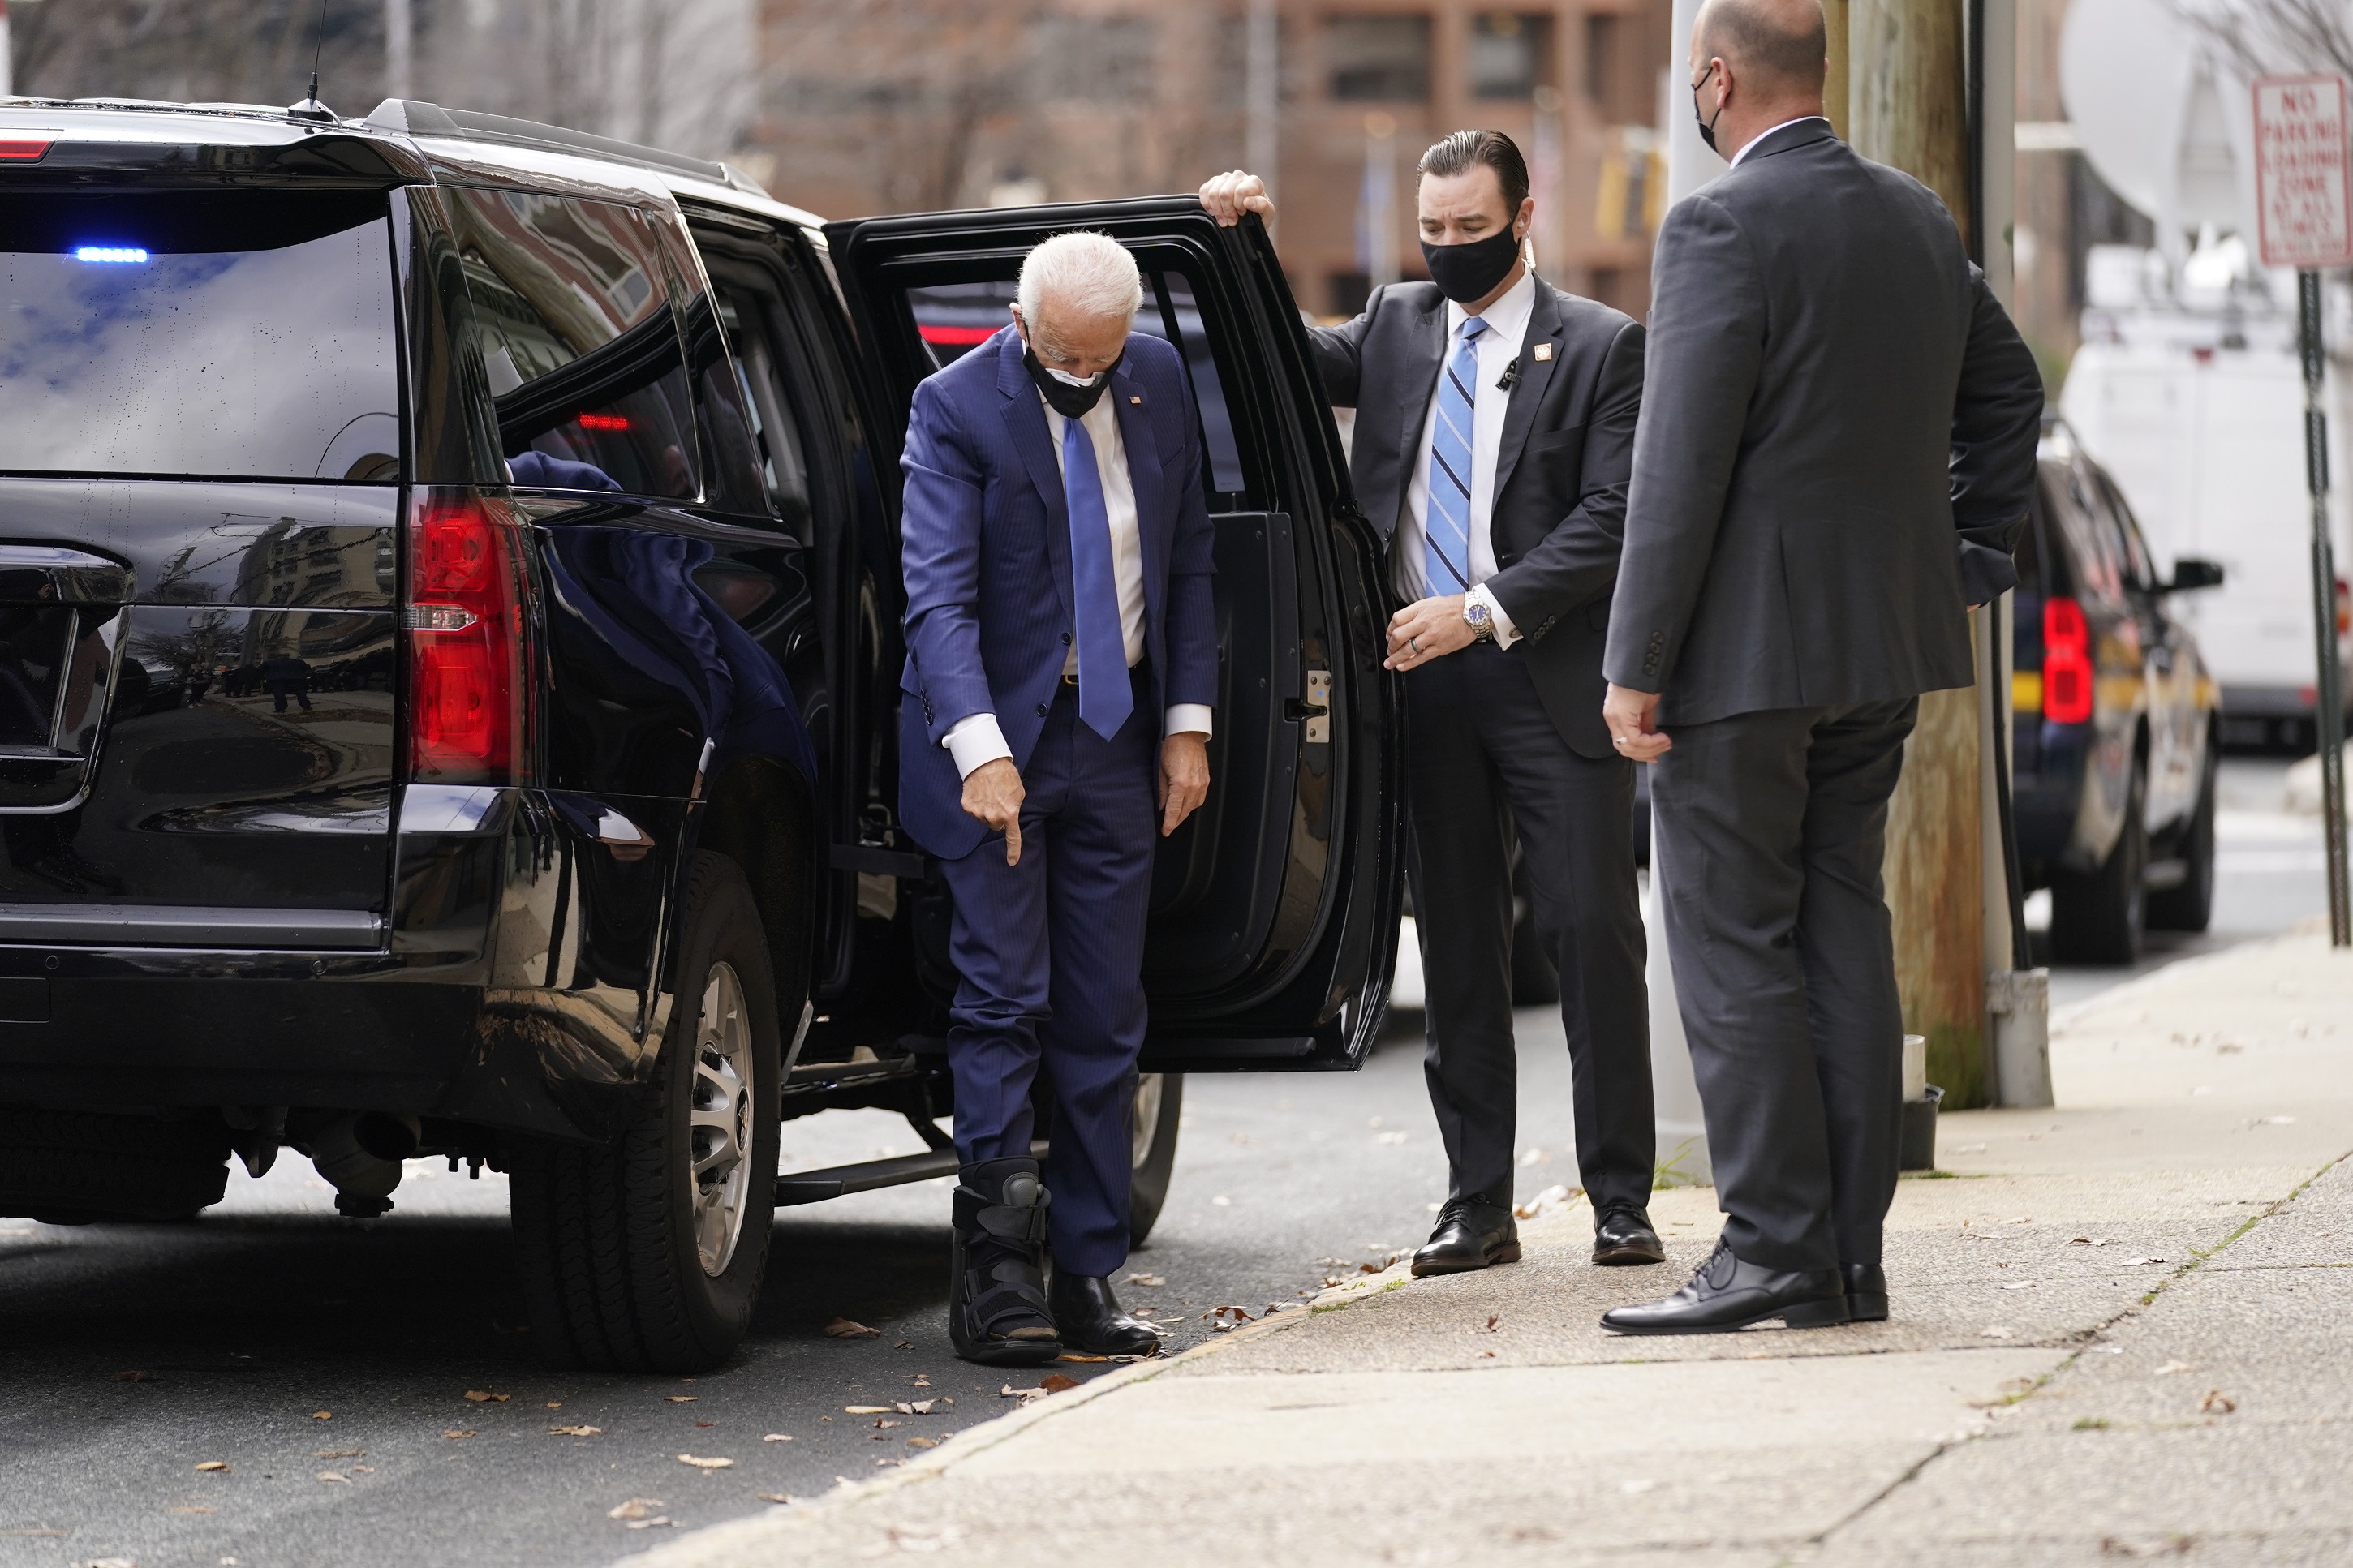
(1446, 526)
(1105, 697)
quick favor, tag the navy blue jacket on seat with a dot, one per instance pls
(986, 544)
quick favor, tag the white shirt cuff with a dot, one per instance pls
(1506, 634)
(974, 741)
(1188, 719)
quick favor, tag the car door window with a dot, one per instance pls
(759, 333)
(575, 331)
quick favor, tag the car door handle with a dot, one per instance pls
(1314, 709)
(52, 575)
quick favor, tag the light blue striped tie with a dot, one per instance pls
(1446, 527)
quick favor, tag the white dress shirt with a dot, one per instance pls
(1750, 145)
(978, 739)
(1507, 331)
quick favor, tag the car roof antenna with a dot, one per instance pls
(311, 108)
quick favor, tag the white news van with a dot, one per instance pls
(2192, 398)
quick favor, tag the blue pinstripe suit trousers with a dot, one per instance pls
(1049, 960)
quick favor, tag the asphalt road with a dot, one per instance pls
(327, 1362)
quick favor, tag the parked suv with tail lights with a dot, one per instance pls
(2114, 721)
(450, 612)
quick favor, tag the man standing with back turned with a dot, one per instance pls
(1495, 432)
(1061, 658)
(1836, 451)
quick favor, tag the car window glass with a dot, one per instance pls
(242, 334)
(580, 342)
(758, 336)
(2138, 569)
(2097, 548)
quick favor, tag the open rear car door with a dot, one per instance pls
(1274, 911)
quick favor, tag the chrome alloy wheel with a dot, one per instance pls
(1146, 1124)
(719, 1119)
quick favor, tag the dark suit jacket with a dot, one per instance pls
(1560, 472)
(984, 528)
(1837, 443)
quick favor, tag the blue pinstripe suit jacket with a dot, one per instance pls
(985, 545)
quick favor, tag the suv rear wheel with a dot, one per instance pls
(646, 1254)
(1159, 1106)
(2096, 917)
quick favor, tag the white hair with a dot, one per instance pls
(1087, 275)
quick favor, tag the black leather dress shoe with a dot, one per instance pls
(1093, 1322)
(1866, 1292)
(1471, 1234)
(1623, 1236)
(1728, 1294)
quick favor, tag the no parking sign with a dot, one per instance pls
(2304, 175)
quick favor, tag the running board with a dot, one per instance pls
(838, 1181)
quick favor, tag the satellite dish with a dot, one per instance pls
(2167, 130)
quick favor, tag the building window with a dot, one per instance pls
(1511, 54)
(1379, 58)
(1095, 59)
(1619, 89)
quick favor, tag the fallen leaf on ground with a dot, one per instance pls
(576, 1431)
(682, 1398)
(192, 1507)
(1997, 1333)
(903, 1344)
(2020, 1285)
(1080, 1356)
(705, 1464)
(776, 1437)
(2217, 1402)
(363, 1470)
(322, 1415)
(1054, 1383)
(336, 1476)
(924, 1379)
(455, 1433)
(850, 1329)
(772, 1496)
(922, 1442)
(212, 1465)
(919, 1407)
(1149, 1281)
(880, 1424)
(867, 1409)
(2169, 1368)
(339, 1454)
(556, 1404)
(706, 1424)
(2132, 1262)
(1495, 1322)
(1009, 1391)
(484, 1396)
(635, 1508)
(134, 1377)
(659, 1521)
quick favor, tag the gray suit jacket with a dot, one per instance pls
(1561, 468)
(1837, 443)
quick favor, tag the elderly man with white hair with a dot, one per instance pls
(1061, 661)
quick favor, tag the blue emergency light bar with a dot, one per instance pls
(111, 253)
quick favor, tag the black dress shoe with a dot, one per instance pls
(996, 1248)
(1471, 1234)
(1622, 1235)
(1728, 1294)
(1866, 1292)
(1091, 1319)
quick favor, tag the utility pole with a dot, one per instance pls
(399, 45)
(7, 65)
(1907, 69)
(1261, 96)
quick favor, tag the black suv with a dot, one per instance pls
(449, 608)
(2114, 721)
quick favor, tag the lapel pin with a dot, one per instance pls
(1543, 350)
(1136, 400)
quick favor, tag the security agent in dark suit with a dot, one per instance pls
(1835, 454)
(1494, 428)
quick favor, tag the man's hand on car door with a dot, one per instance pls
(993, 793)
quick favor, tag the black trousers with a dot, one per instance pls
(1772, 828)
(1482, 757)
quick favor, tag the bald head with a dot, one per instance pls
(1776, 46)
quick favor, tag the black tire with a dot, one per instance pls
(2188, 904)
(1534, 982)
(2098, 917)
(65, 1168)
(607, 1238)
(1156, 1151)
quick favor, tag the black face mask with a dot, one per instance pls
(1706, 127)
(1468, 272)
(1069, 402)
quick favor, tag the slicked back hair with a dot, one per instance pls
(1461, 152)
(1757, 37)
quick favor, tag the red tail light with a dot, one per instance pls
(2066, 663)
(466, 672)
(22, 150)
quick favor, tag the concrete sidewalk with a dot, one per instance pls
(2118, 1332)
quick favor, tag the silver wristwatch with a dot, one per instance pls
(1480, 620)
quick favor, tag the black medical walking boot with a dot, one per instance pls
(1092, 1321)
(997, 1314)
